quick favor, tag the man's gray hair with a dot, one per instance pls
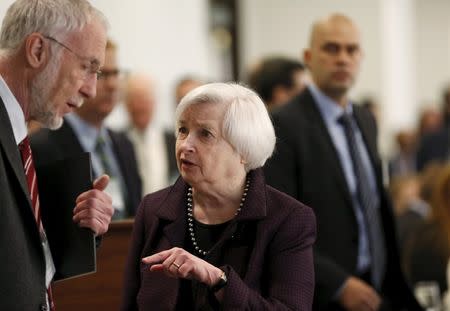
(246, 122)
(49, 17)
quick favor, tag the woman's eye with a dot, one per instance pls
(206, 133)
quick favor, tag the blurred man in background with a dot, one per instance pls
(155, 149)
(327, 158)
(111, 152)
(277, 80)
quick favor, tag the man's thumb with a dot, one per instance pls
(102, 182)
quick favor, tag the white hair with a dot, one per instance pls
(246, 122)
(49, 17)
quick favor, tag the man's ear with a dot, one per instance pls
(306, 56)
(36, 51)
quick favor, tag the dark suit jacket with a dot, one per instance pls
(22, 262)
(49, 146)
(170, 140)
(426, 256)
(434, 147)
(306, 165)
(266, 251)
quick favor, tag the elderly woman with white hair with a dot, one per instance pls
(220, 238)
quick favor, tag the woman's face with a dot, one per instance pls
(203, 155)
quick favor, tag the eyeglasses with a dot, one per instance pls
(92, 68)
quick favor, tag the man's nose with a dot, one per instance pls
(343, 56)
(89, 87)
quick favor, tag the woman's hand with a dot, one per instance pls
(178, 263)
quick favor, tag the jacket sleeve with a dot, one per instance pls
(330, 278)
(289, 278)
(131, 282)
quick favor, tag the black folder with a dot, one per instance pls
(59, 184)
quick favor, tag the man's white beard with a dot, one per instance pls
(41, 109)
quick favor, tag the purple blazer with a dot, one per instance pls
(266, 251)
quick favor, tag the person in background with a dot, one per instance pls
(412, 209)
(435, 147)
(277, 80)
(327, 158)
(50, 55)
(430, 121)
(154, 148)
(220, 238)
(428, 251)
(371, 104)
(409, 207)
(84, 131)
(184, 86)
(404, 161)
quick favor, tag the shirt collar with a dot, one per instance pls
(328, 108)
(15, 112)
(87, 133)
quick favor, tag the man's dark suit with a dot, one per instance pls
(22, 262)
(170, 141)
(434, 147)
(49, 146)
(306, 165)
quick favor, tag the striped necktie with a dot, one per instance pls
(367, 200)
(30, 173)
(100, 150)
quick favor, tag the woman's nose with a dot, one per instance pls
(188, 143)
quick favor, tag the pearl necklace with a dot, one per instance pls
(190, 216)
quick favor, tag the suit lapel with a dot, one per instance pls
(320, 138)
(12, 154)
(68, 140)
(173, 210)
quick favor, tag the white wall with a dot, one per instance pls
(432, 44)
(406, 43)
(397, 95)
(283, 26)
(165, 39)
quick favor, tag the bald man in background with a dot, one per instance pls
(184, 86)
(155, 149)
(327, 158)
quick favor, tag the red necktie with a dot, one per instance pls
(30, 173)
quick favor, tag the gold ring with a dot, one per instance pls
(176, 265)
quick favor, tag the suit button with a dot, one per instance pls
(43, 307)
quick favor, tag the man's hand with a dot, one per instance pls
(359, 296)
(94, 207)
